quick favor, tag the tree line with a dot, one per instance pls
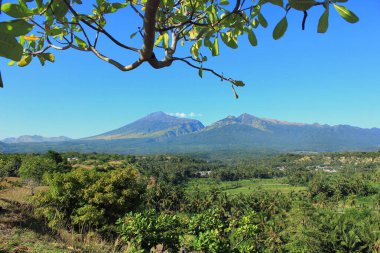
(144, 201)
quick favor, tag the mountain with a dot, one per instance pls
(162, 133)
(34, 138)
(157, 124)
(2, 147)
(253, 132)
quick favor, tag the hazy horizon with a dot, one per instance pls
(190, 115)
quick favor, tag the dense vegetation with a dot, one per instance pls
(285, 203)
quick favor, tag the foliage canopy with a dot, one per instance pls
(35, 27)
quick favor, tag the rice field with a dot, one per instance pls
(243, 186)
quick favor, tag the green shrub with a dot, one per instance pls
(88, 199)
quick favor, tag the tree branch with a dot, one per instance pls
(149, 28)
(304, 20)
(204, 69)
(136, 10)
(118, 65)
(99, 28)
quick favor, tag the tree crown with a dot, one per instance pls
(36, 27)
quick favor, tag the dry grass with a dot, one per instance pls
(116, 163)
(21, 194)
(7, 182)
(20, 231)
(83, 166)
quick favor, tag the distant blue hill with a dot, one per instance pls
(162, 133)
(34, 138)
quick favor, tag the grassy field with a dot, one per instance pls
(243, 186)
(275, 184)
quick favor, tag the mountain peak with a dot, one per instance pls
(247, 117)
(156, 124)
(156, 115)
(253, 121)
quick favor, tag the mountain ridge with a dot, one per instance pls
(160, 133)
(34, 138)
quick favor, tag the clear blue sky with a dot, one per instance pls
(305, 77)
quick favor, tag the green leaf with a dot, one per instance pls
(23, 3)
(16, 10)
(348, 15)
(165, 41)
(255, 23)
(207, 42)
(212, 13)
(25, 61)
(252, 37)
(39, 4)
(49, 57)
(42, 60)
(16, 27)
(229, 40)
(215, 47)
(116, 6)
(280, 28)
(46, 57)
(60, 8)
(180, 18)
(263, 22)
(9, 47)
(200, 72)
(323, 23)
(158, 40)
(80, 42)
(224, 2)
(133, 35)
(302, 5)
(239, 83)
(194, 50)
(225, 38)
(277, 2)
(55, 31)
(41, 44)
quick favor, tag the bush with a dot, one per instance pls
(88, 199)
(149, 229)
(212, 231)
(34, 167)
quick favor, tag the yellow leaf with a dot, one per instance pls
(31, 38)
(24, 61)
